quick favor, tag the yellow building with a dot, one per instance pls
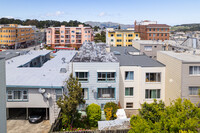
(121, 37)
(11, 34)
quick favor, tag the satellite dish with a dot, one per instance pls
(41, 90)
(47, 95)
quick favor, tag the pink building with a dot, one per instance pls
(68, 36)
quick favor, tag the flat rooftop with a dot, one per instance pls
(184, 56)
(127, 59)
(8, 54)
(46, 76)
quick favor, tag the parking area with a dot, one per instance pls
(23, 126)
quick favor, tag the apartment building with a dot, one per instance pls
(150, 30)
(35, 81)
(3, 128)
(13, 35)
(98, 73)
(141, 79)
(68, 36)
(121, 37)
(182, 75)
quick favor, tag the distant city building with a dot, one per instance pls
(14, 36)
(35, 80)
(118, 37)
(68, 36)
(3, 128)
(150, 30)
(141, 79)
(98, 72)
(182, 75)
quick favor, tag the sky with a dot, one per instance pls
(170, 12)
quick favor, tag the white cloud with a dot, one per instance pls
(9, 17)
(102, 14)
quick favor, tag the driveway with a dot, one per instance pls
(23, 126)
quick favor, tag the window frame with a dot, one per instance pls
(129, 76)
(129, 90)
(59, 95)
(191, 88)
(83, 91)
(149, 79)
(106, 77)
(103, 98)
(82, 79)
(145, 48)
(22, 99)
(148, 96)
(193, 70)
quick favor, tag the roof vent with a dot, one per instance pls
(63, 70)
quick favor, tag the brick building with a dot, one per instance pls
(150, 30)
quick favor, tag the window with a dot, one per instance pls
(119, 40)
(155, 46)
(154, 29)
(194, 70)
(165, 29)
(111, 40)
(73, 40)
(85, 31)
(152, 93)
(148, 48)
(17, 95)
(130, 40)
(58, 94)
(106, 76)
(106, 93)
(62, 40)
(162, 29)
(194, 90)
(136, 35)
(162, 34)
(129, 91)
(119, 35)
(102, 106)
(111, 35)
(62, 31)
(158, 29)
(85, 93)
(62, 36)
(149, 29)
(129, 75)
(85, 36)
(72, 36)
(82, 76)
(73, 31)
(130, 35)
(149, 34)
(166, 34)
(119, 45)
(158, 34)
(129, 105)
(153, 77)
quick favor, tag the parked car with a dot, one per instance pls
(35, 118)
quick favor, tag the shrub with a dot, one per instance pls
(93, 112)
(110, 110)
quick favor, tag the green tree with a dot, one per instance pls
(180, 116)
(68, 105)
(93, 114)
(96, 28)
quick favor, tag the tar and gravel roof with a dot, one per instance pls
(127, 59)
(47, 76)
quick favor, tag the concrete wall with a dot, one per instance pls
(189, 81)
(172, 78)
(3, 128)
(139, 84)
(93, 84)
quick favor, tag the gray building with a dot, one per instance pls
(182, 75)
(98, 72)
(3, 128)
(35, 81)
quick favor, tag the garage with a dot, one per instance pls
(24, 113)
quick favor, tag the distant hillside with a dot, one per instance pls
(186, 27)
(108, 24)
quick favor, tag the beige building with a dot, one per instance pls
(141, 79)
(182, 75)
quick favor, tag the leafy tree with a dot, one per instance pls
(96, 28)
(68, 105)
(180, 116)
(93, 114)
(110, 110)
